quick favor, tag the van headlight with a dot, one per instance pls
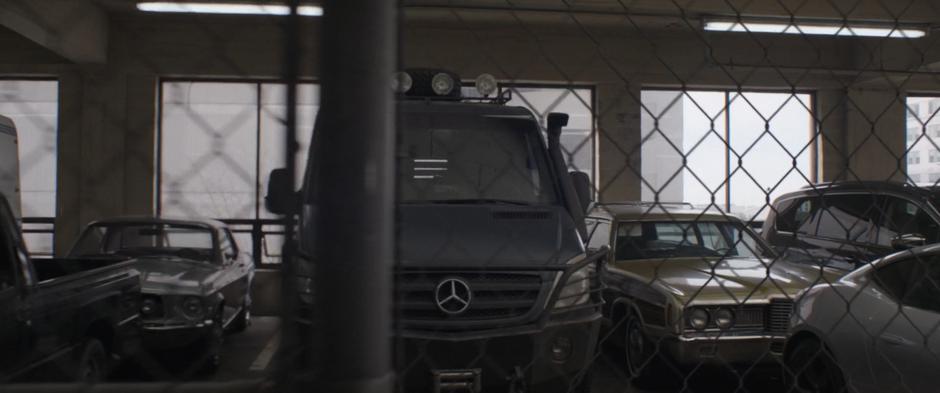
(577, 290)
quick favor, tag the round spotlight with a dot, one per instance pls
(442, 84)
(724, 318)
(698, 319)
(401, 82)
(486, 85)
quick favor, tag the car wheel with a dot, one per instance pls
(92, 362)
(639, 353)
(242, 321)
(814, 368)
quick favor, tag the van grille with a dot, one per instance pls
(778, 315)
(498, 299)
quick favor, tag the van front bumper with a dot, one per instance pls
(549, 359)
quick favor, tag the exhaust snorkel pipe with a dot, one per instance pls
(556, 121)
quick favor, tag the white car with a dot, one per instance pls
(875, 330)
(9, 164)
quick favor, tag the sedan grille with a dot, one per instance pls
(498, 299)
(778, 315)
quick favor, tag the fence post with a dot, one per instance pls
(354, 252)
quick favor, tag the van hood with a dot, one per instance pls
(468, 236)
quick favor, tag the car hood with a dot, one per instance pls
(729, 280)
(455, 236)
(176, 276)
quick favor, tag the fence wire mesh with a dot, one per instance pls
(573, 196)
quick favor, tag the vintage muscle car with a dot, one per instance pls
(686, 287)
(196, 281)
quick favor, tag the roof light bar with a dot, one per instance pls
(227, 8)
(816, 28)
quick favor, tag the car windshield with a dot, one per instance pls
(135, 240)
(472, 158)
(677, 239)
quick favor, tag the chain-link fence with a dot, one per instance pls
(479, 196)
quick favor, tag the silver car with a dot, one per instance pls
(196, 281)
(875, 330)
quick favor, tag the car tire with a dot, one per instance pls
(242, 321)
(91, 362)
(642, 364)
(813, 368)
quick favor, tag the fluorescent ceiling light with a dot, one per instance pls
(227, 8)
(835, 29)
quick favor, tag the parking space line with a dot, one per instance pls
(264, 358)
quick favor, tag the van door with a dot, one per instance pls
(9, 165)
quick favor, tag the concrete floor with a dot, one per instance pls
(249, 355)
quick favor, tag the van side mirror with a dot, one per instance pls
(907, 241)
(582, 186)
(280, 198)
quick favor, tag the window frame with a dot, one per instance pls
(813, 147)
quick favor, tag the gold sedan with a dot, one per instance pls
(686, 288)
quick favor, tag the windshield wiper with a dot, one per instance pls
(482, 201)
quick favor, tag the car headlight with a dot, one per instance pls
(149, 306)
(577, 290)
(698, 319)
(724, 318)
(193, 308)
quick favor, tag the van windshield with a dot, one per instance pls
(472, 158)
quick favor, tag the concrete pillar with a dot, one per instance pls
(832, 134)
(618, 137)
(106, 148)
(876, 137)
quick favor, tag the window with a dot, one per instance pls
(651, 240)
(914, 282)
(914, 108)
(460, 157)
(218, 143)
(577, 138)
(599, 233)
(227, 245)
(848, 217)
(34, 107)
(923, 133)
(742, 146)
(903, 217)
(913, 133)
(797, 217)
